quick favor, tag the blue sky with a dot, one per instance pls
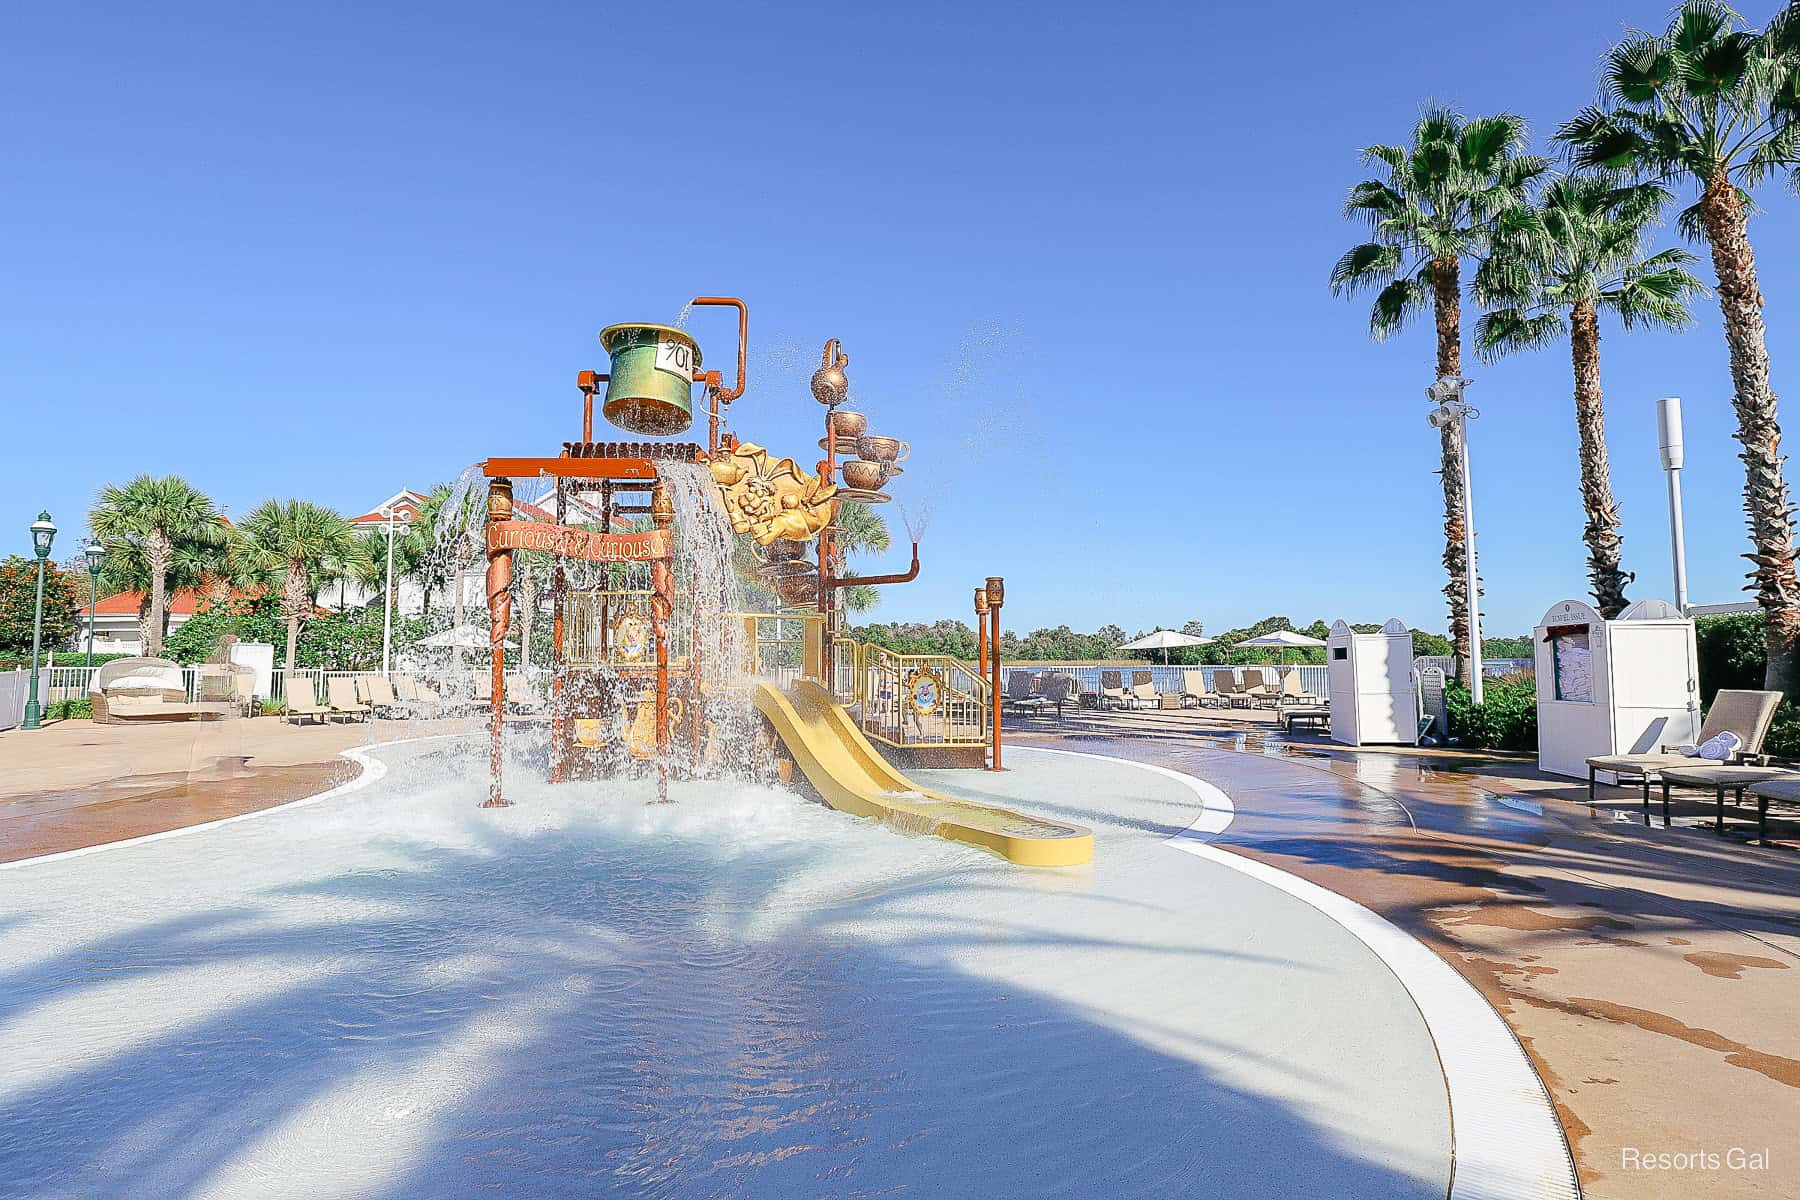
(1078, 257)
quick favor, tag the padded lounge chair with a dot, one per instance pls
(1193, 689)
(1057, 689)
(376, 692)
(305, 706)
(1745, 712)
(1143, 690)
(1258, 691)
(1227, 690)
(1112, 690)
(341, 693)
(1291, 692)
(1024, 691)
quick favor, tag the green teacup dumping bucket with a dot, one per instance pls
(653, 370)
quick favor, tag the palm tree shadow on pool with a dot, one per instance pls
(540, 1015)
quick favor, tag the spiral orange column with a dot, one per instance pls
(499, 597)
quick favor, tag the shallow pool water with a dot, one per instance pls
(398, 994)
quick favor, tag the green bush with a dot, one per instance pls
(271, 708)
(70, 710)
(1506, 718)
(1731, 652)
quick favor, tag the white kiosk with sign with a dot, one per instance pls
(1374, 697)
(1626, 686)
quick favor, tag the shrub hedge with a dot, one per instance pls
(1506, 718)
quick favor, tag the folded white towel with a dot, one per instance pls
(1721, 746)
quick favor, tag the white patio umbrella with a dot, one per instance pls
(1278, 640)
(1167, 639)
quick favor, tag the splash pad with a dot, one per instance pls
(657, 663)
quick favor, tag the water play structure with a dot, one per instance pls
(658, 661)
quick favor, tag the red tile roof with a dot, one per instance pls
(183, 603)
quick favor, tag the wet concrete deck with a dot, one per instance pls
(74, 784)
(1649, 973)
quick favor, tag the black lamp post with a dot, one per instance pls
(43, 532)
(96, 554)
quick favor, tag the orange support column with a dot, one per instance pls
(996, 595)
(499, 581)
(662, 606)
(981, 626)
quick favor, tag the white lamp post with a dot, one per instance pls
(387, 598)
(1668, 437)
(1447, 394)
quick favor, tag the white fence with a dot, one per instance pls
(15, 686)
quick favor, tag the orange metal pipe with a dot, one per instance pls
(743, 354)
(906, 576)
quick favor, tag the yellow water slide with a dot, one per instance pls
(853, 776)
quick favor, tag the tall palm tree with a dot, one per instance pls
(1433, 206)
(300, 540)
(860, 530)
(1713, 105)
(1554, 267)
(142, 522)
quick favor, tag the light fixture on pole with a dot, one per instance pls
(1447, 394)
(43, 533)
(96, 554)
(1668, 438)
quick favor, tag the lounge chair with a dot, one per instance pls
(146, 689)
(1258, 692)
(1058, 689)
(303, 705)
(378, 693)
(1290, 692)
(417, 699)
(520, 694)
(1745, 712)
(1194, 689)
(340, 692)
(1227, 690)
(1024, 691)
(1143, 690)
(1112, 690)
(1317, 716)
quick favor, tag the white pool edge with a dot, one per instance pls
(1506, 1142)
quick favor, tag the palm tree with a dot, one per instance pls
(1434, 206)
(141, 523)
(860, 530)
(1553, 268)
(300, 540)
(1714, 105)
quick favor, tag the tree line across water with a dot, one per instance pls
(1063, 644)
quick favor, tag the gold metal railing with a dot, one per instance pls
(920, 699)
(611, 628)
(900, 699)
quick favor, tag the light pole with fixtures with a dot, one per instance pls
(1447, 394)
(96, 554)
(43, 532)
(387, 598)
(1668, 429)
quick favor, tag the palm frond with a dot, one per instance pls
(1509, 330)
(1363, 267)
(1398, 303)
